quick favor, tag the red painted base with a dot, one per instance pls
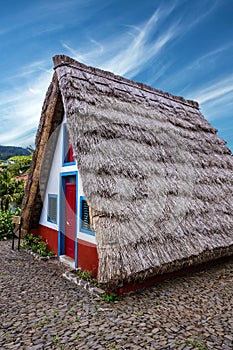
(49, 235)
(87, 257)
(88, 261)
(133, 287)
(87, 252)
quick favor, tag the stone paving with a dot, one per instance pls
(39, 309)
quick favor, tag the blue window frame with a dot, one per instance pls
(52, 208)
(68, 156)
(85, 225)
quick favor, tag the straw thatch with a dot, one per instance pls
(156, 175)
(51, 118)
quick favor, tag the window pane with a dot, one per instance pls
(52, 209)
(85, 216)
(68, 149)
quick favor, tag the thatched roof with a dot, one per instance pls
(158, 178)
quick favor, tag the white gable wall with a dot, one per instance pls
(53, 183)
(53, 187)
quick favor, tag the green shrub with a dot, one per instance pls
(85, 275)
(6, 226)
(36, 245)
(110, 297)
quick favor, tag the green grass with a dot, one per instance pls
(110, 297)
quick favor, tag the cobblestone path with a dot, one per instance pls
(39, 309)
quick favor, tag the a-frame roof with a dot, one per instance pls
(156, 175)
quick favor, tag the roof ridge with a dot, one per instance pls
(63, 60)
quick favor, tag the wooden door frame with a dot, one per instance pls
(61, 232)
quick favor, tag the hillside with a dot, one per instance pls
(10, 151)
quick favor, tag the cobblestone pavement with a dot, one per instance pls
(39, 309)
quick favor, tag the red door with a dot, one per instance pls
(70, 219)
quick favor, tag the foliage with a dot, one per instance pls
(11, 190)
(19, 165)
(36, 245)
(6, 226)
(3, 164)
(110, 297)
(88, 276)
(85, 275)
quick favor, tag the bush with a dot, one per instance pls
(110, 297)
(6, 226)
(36, 245)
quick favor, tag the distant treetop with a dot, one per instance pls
(11, 151)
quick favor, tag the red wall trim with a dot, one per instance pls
(87, 252)
(87, 257)
(152, 281)
(50, 236)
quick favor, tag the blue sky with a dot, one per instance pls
(183, 47)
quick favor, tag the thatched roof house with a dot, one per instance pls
(156, 177)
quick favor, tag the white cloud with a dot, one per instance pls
(21, 106)
(202, 63)
(209, 56)
(216, 100)
(125, 54)
(131, 60)
(130, 52)
(21, 109)
(215, 90)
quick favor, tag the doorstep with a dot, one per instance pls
(68, 261)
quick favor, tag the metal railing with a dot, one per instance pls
(17, 220)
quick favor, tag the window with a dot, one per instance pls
(68, 155)
(52, 208)
(85, 223)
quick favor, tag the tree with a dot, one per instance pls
(19, 165)
(11, 190)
